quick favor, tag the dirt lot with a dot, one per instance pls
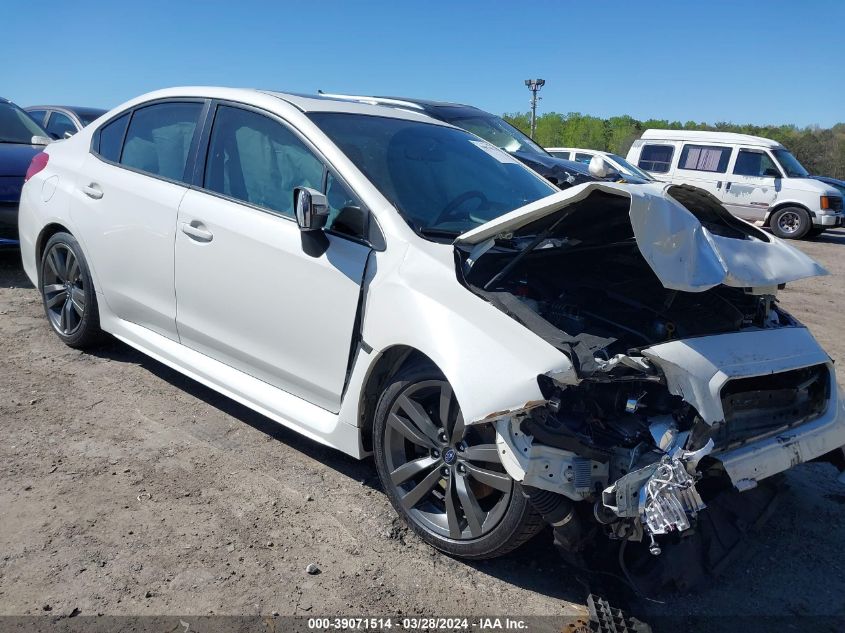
(128, 489)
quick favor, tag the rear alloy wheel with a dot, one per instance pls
(791, 223)
(68, 292)
(443, 477)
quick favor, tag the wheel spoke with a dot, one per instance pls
(482, 453)
(54, 288)
(59, 297)
(457, 433)
(408, 430)
(64, 322)
(77, 297)
(445, 404)
(472, 511)
(55, 264)
(418, 415)
(499, 481)
(406, 471)
(451, 511)
(71, 267)
(421, 489)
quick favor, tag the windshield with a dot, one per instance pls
(442, 180)
(497, 131)
(628, 169)
(16, 126)
(790, 164)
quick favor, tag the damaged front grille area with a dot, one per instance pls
(763, 405)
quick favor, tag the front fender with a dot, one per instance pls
(490, 360)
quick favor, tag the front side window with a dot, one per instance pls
(16, 126)
(755, 163)
(705, 158)
(580, 157)
(628, 169)
(256, 159)
(58, 124)
(656, 158)
(442, 180)
(790, 164)
(159, 138)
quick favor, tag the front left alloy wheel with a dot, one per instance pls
(444, 477)
(68, 292)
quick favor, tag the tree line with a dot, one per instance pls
(820, 150)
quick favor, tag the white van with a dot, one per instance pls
(609, 161)
(757, 179)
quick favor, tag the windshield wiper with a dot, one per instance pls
(435, 232)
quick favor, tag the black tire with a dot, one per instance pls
(67, 292)
(509, 519)
(791, 223)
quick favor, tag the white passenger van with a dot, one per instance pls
(757, 179)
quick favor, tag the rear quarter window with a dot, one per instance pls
(111, 138)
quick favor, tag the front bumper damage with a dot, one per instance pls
(649, 493)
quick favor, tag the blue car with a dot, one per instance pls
(21, 138)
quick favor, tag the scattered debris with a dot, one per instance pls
(312, 569)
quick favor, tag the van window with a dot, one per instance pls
(705, 158)
(656, 158)
(755, 163)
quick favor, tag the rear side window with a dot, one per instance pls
(755, 163)
(58, 124)
(111, 138)
(159, 138)
(256, 159)
(656, 158)
(705, 158)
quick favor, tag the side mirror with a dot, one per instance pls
(40, 140)
(599, 168)
(312, 209)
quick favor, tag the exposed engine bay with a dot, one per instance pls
(625, 448)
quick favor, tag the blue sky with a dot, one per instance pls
(742, 61)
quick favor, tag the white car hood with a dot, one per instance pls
(683, 253)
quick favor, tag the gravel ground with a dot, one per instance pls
(127, 489)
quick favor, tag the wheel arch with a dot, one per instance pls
(783, 205)
(388, 363)
(44, 236)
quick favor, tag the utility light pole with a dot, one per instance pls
(534, 86)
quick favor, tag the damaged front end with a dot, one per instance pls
(691, 384)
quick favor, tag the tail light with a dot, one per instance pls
(39, 162)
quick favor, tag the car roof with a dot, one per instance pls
(703, 135)
(303, 102)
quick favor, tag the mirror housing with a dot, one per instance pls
(599, 168)
(311, 208)
(40, 140)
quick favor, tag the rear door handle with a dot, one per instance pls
(196, 230)
(93, 191)
(728, 187)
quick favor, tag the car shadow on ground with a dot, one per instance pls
(536, 566)
(831, 237)
(11, 270)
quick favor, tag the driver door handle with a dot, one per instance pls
(196, 230)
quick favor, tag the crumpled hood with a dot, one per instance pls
(683, 253)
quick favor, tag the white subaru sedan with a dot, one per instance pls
(603, 359)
